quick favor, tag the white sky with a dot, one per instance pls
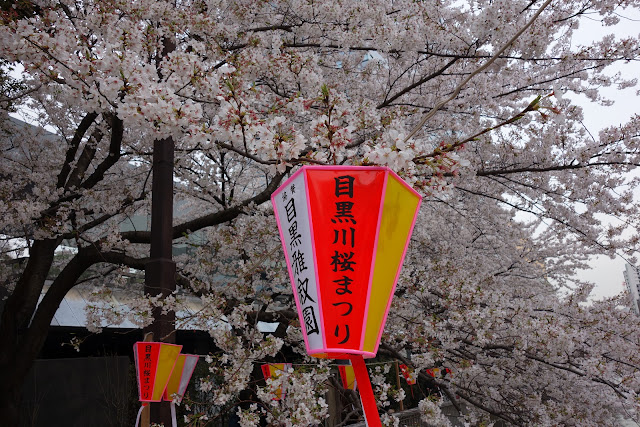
(605, 272)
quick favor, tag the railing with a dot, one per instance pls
(408, 418)
(411, 417)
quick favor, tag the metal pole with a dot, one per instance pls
(160, 270)
(399, 386)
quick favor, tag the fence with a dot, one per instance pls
(411, 418)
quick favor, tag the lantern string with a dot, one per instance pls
(174, 421)
(139, 414)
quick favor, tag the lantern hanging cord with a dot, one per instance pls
(491, 60)
(174, 421)
(139, 414)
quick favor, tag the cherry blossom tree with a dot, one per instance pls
(464, 99)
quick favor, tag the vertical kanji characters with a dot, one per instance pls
(146, 372)
(300, 258)
(343, 262)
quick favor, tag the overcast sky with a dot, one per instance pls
(607, 273)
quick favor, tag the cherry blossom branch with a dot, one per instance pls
(8, 99)
(538, 214)
(84, 160)
(485, 408)
(484, 66)
(577, 372)
(210, 219)
(441, 385)
(533, 106)
(113, 155)
(77, 231)
(498, 172)
(79, 133)
(440, 54)
(531, 88)
(245, 154)
(419, 82)
(46, 51)
(572, 368)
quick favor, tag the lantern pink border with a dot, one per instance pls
(341, 352)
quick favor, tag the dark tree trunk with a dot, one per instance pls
(24, 329)
(16, 318)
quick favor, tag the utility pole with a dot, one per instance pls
(160, 270)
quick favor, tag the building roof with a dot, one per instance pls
(72, 311)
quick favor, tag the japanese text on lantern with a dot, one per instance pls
(343, 265)
(146, 382)
(301, 258)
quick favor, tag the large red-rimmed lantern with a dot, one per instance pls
(345, 231)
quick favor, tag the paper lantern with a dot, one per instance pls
(408, 374)
(276, 370)
(179, 380)
(154, 364)
(345, 231)
(437, 372)
(434, 373)
(348, 377)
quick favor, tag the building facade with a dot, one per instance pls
(632, 280)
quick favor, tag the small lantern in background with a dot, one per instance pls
(345, 231)
(409, 374)
(276, 370)
(348, 377)
(154, 365)
(162, 373)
